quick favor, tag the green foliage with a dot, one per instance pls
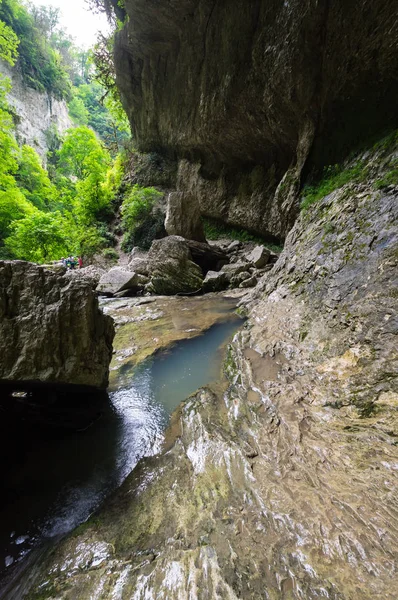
(334, 177)
(103, 115)
(84, 157)
(390, 178)
(34, 181)
(137, 205)
(215, 230)
(45, 214)
(82, 153)
(9, 43)
(140, 219)
(105, 75)
(84, 241)
(38, 237)
(78, 112)
(40, 63)
(13, 206)
(110, 253)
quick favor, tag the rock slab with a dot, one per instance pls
(183, 217)
(51, 328)
(116, 280)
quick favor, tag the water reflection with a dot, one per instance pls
(52, 484)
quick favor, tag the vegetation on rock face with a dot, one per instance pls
(47, 213)
(39, 59)
(334, 177)
(357, 170)
(141, 219)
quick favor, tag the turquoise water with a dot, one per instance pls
(53, 484)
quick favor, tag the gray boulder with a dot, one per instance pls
(139, 265)
(215, 281)
(90, 274)
(248, 283)
(116, 280)
(239, 278)
(51, 328)
(259, 256)
(172, 270)
(183, 216)
(234, 269)
(138, 261)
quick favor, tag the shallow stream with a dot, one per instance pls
(54, 483)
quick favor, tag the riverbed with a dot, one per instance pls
(165, 349)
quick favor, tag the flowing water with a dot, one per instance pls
(54, 483)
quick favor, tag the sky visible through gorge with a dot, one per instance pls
(79, 22)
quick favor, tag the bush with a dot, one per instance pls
(141, 222)
(110, 253)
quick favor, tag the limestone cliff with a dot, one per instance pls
(51, 329)
(284, 486)
(35, 113)
(249, 95)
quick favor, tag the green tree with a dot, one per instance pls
(13, 206)
(40, 63)
(82, 154)
(9, 43)
(38, 237)
(78, 112)
(34, 181)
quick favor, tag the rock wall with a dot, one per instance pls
(284, 487)
(51, 329)
(245, 95)
(34, 113)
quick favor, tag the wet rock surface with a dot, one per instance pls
(51, 328)
(284, 485)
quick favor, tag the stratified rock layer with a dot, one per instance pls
(51, 329)
(247, 94)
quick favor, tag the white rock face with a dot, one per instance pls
(35, 112)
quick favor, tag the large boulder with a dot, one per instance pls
(138, 261)
(51, 328)
(117, 280)
(172, 270)
(259, 256)
(183, 217)
(215, 281)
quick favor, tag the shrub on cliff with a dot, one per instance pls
(142, 221)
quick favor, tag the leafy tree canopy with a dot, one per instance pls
(9, 43)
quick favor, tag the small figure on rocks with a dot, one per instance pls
(80, 262)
